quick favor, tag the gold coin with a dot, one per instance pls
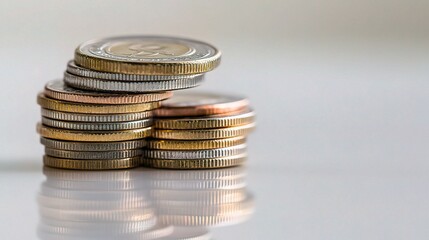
(58, 90)
(205, 122)
(222, 162)
(195, 145)
(64, 106)
(198, 134)
(147, 55)
(93, 136)
(91, 164)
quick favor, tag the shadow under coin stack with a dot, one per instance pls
(99, 116)
(196, 130)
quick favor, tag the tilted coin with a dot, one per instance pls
(134, 87)
(57, 89)
(195, 154)
(93, 155)
(205, 122)
(214, 133)
(195, 163)
(87, 126)
(63, 106)
(72, 68)
(93, 136)
(91, 164)
(82, 117)
(147, 55)
(166, 144)
(93, 146)
(193, 103)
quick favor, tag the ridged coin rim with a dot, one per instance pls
(93, 155)
(91, 164)
(165, 144)
(195, 154)
(88, 126)
(93, 146)
(82, 117)
(195, 163)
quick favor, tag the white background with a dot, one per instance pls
(340, 87)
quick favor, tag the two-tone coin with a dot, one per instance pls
(93, 155)
(195, 163)
(91, 164)
(93, 146)
(95, 118)
(88, 126)
(195, 154)
(166, 144)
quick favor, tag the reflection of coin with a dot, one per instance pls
(147, 55)
(92, 146)
(95, 118)
(58, 90)
(92, 136)
(205, 122)
(195, 163)
(64, 106)
(199, 104)
(194, 145)
(91, 164)
(196, 134)
(121, 86)
(195, 154)
(88, 126)
(93, 155)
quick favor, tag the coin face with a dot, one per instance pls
(171, 52)
(201, 103)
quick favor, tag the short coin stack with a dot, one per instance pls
(99, 116)
(200, 130)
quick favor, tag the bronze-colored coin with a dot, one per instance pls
(194, 145)
(93, 136)
(63, 106)
(191, 103)
(205, 122)
(195, 163)
(91, 164)
(201, 134)
(57, 89)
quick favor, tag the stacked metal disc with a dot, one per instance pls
(98, 116)
(195, 201)
(96, 205)
(196, 130)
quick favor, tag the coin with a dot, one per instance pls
(147, 55)
(88, 126)
(58, 90)
(82, 117)
(91, 164)
(92, 136)
(121, 86)
(192, 103)
(195, 154)
(166, 144)
(205, 122)
(195, 163)
(64, 106)
(201, 134)
(92, 146)
(93, 155)
(73, 69)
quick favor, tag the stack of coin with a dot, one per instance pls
(97, 205)
(98, 117)
(195, 130)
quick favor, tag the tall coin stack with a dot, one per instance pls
(99, 115)
(195, 130)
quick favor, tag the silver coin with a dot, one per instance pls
(82, 117)
(92, 146)
(97, 126)
(92, 155)
(118, 86)
(195, 154)
(72, 68)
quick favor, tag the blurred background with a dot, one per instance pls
(340, 87)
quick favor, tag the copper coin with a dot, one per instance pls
(57, 89)
(191, 103)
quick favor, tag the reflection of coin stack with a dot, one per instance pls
(200, 130)
(194, 201)
(121, 80)
(96, 205)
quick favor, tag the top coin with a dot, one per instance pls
(58, 90)
(147, 55)
(190, 103)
